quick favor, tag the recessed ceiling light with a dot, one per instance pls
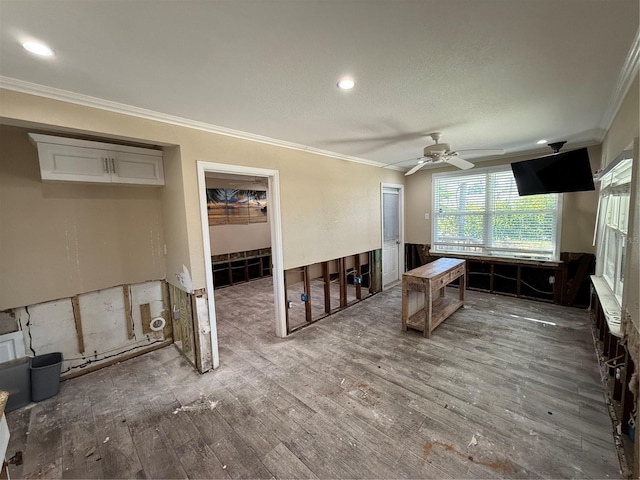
(346, 84)
(38, 49)
(540, 142)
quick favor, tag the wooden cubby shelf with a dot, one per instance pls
(240, 267)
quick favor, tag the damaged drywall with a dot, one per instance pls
(192, 327)
(185, 280)
(204, 332)
(8, 322)
(95, 331)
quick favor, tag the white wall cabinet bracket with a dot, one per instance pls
(71, 160)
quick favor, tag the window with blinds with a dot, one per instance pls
(613, 219)
(481, 213)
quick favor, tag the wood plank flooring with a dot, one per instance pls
(492, 394)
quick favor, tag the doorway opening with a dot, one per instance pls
(243, 179)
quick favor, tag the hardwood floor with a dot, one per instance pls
(493, 394)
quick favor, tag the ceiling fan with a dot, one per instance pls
(442, 153)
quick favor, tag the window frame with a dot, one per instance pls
(488, 216)
(612, 233)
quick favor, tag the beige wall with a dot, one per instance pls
(330, 208)
(62, 239)
(174, 217)
(578, 212)
(624, 127)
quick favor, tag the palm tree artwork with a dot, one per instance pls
(232, 206)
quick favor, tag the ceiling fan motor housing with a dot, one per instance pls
(437, 150)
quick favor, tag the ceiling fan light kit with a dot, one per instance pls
(556, 146)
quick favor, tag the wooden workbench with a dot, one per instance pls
(423, 308)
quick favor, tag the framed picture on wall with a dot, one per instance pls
(257, 206)
(217, 206)
(230, 206)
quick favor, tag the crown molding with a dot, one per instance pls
(627, 75)
(22, 86)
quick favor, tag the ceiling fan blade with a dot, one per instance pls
(484, 151)
(396, 138)
(401, 161)
(459, 162)
(415, 169)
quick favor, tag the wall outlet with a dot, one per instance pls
(289, 304)
(426, 216)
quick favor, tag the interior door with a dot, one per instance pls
(391, 235)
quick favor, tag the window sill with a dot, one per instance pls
(497, 259)
(610, 306)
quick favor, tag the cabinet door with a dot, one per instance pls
(135, 168)
(69, 163)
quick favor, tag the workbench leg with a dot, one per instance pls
(405, 306)
(462, 287)
(442, 292)
(428, 310)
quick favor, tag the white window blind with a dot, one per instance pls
(481, 213)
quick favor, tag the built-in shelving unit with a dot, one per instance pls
(565, 282)
(240, 267)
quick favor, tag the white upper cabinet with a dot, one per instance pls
(71, 160)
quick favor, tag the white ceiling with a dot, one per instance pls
(487, 73)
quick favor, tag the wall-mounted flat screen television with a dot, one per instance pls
(556, 173)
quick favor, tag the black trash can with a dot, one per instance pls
(45, 376)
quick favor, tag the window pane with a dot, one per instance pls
(462, 195)
(460, 229)
(623, 212)
(390, 205)
(620, 283)
(610, 254)
(614, 205)
(527, 231)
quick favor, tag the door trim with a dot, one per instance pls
(400, 189)
(275, 218)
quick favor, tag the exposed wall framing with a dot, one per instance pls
(94, 329)
(182, 314)
(564, 283)
(618, 368)
(191, 326)
(126, 291)
(77, 318)
(315, 291)
(240, 267)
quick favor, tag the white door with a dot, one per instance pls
(391, 235)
